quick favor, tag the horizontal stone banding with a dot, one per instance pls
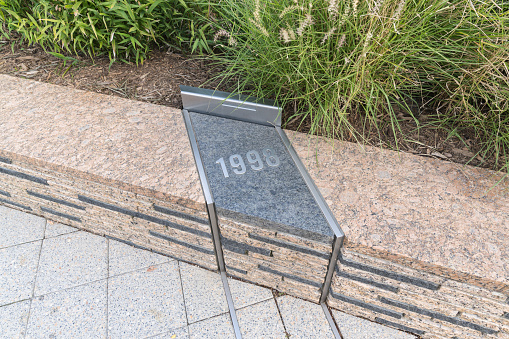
(28, 208)
(366, 281)
(176, 241)
(143, 216)
(23, 176)
(437, 315)
(60, 214)
(290, 246)
(7, 194)
(180, 215)
(290, 276)
(399, 326)
(389, 274)
(5, 160)
(366, 305)
(58, 201)
(241, 248)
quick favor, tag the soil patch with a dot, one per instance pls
(157, 81)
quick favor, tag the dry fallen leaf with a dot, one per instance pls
(439, 155)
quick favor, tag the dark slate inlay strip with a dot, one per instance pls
(28, 208)
(7, 161)
(365, 305)
(367, 281)
(241, 248)
(436, 315)
(7, 194)
(182, 243)
(63, 215)
(181, 215)
(106, 205)
(173, 225)
(138, 246)
(143, 216)
(58, 201)
(388, 274)
(506, 315)
(290, 276)
(290, 246)
(23, 176)
(401, 327)
(236, 270)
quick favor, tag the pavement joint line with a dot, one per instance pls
(254, 304)
(138, 269)
(15, 302)
(22, 243)
(163, 333)
(35, 276)
(107, 286)
(68, 288)
(208, 318)
(279, 312)
(183, 296)
(141, 268)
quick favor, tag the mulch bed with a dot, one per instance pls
(157, 81)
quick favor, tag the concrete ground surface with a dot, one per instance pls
(59, 282)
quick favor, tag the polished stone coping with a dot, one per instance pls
(423, 213)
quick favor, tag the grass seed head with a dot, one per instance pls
(308, 21)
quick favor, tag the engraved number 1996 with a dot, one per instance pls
(254, 160)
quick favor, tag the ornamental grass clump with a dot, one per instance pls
(123, 29)
(354, 62)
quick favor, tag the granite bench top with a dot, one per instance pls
(428, 210)
(118, 140)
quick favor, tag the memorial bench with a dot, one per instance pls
(425, 246)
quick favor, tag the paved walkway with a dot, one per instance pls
(59, 282)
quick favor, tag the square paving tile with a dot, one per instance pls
(78, 312)
(179, 333)
(303, 319)
(54, 229)
(18, 267)
(70, 260)
(203, 292)
(146, 302)
(17, 227)
(245, 294)
(212, 328)
(352, 327)
(261, 321)
(13, 319)
(125, 258)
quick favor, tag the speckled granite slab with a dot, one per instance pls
(265, 184)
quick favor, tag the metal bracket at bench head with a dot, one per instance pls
(233, 106)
